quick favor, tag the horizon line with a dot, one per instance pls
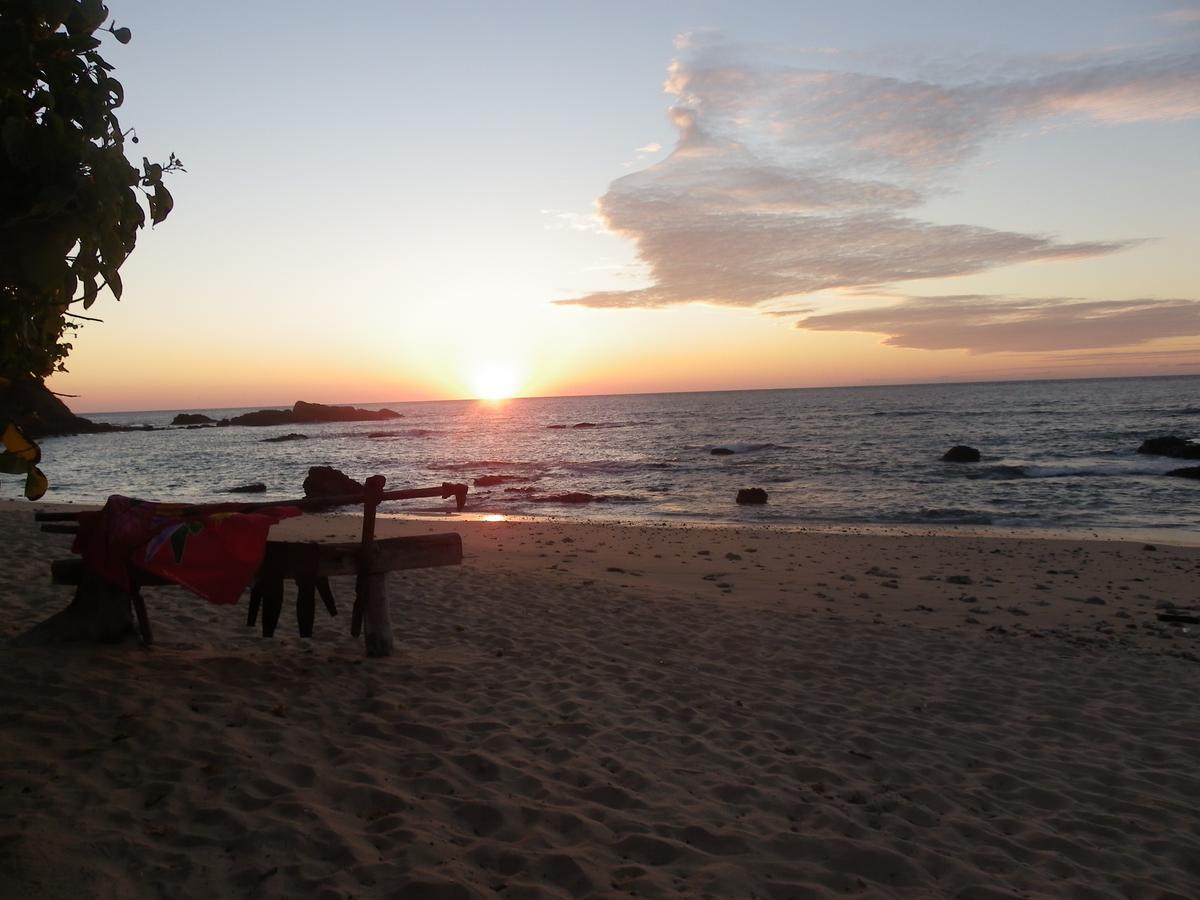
(829, 387)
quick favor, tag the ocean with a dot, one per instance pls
(1056, 455)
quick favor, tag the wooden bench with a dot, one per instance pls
(310, 564)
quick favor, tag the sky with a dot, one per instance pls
(403, 201)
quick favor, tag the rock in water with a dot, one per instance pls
(256, 488)
(310, 413)
(326, 481)
(192, 419)
(491, 480)
(1172, 446)
(721, 451)
(961, 453)
(1188, 472)
(751, 495)
(285, 437)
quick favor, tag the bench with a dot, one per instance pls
(309, 564)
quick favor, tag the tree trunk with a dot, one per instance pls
(98, 612)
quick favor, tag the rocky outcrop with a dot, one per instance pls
(961, 453)
(1171, 446)
(40, 413)
(193, 419)
(313, 413)
(326, 481)
(1188, 472)
(747, 496)
(281, 438)
(265, 417)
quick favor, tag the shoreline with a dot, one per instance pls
(1166, 537)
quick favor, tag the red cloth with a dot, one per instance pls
(213, 551)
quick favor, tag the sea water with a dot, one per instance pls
(1057, 455)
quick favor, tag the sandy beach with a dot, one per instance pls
(611, 710)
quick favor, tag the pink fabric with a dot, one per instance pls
(214, 551)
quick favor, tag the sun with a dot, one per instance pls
(495, 381)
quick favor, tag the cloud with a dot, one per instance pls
(1185, 15)
(988, 324)
(784, 181)
(564, 220)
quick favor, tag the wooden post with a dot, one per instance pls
(306, 604)
(272, 604)
(370, 600)
(256, 595)
(326, 594)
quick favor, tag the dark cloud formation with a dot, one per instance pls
(788, 181)
(986, 324)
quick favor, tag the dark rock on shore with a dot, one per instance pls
(312, 413)
(193, 419)
(1188, 472)
(491, 480)
(751, 496)
(279, 439)
(326, 481)
(40, 413)
(256, 488)
(721, 451)
(1171, 446)
(961, 453)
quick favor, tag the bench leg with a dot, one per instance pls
(326, 595)
(360, 605)
(378, 631)
(143, 618)
(256, 595)
(306, 602)
(272, 605)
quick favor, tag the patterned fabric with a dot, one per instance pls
(214, 551)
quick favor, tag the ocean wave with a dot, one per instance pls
(571, 498)
(584, 426)
(611, 467)
(406, 432)
(1105, 469)
(953, 516)
(484, 464)
(1094, 471)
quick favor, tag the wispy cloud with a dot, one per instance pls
(785, 181)
(987, 324)
(1184, 15)
(565, 220)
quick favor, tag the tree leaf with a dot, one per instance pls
(161, 204)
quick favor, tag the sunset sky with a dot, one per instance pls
(400, 201)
